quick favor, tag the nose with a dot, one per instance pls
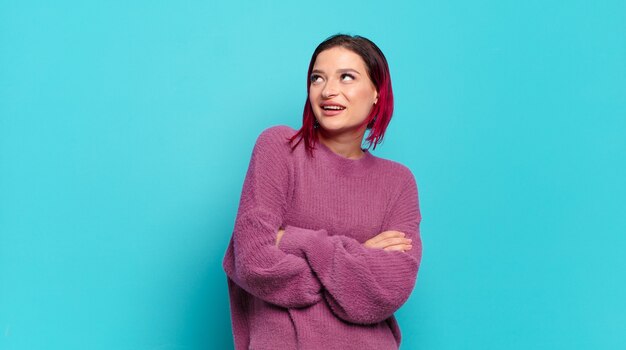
(330, 90)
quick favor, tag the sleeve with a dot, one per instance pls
(364, 285)
(252, 259)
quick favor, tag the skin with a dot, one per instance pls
(339, 76)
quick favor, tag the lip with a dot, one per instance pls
(329, 112)
(324, 104)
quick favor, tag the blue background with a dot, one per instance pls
(126, 129)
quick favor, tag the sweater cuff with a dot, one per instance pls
(295, 239)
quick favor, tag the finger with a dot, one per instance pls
(279, 236)
(393, 241)
(399, 247)
(389, 243)
(386, 234)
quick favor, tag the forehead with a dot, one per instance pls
(339, 58)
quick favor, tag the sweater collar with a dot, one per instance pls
(345, 165)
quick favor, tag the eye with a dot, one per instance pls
(347, 77)
(315, 78)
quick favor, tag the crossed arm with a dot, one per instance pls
(296, 267)
(386, 240)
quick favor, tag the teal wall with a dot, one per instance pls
(126, 130)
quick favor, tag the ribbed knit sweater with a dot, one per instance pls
(321, 288)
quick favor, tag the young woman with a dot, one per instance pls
(326, 244)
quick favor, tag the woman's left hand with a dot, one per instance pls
(279, 235)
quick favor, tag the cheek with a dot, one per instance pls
(314, 101)
(363, 98)
(313, 94)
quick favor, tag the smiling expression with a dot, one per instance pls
(341, 92)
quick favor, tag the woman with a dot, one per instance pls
(326, 244)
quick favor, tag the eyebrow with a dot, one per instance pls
(342, 70)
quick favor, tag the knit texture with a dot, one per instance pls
(321, 288)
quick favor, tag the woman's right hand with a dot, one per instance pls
(389, 240)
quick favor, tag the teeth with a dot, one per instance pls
(333, 107)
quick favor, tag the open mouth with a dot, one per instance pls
(333, 107)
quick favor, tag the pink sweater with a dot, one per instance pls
(321, 289)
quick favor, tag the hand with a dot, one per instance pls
(389, 240)
(279, 235)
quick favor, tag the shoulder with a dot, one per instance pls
(275, 135)
(401, 184)
(276, 132)
(273, 142)
(395, 171)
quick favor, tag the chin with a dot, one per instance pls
(331, 124)
(335, 128)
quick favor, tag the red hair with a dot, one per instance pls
(378, 72)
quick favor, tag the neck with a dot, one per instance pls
(348, 146)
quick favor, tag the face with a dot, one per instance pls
(341, 92)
